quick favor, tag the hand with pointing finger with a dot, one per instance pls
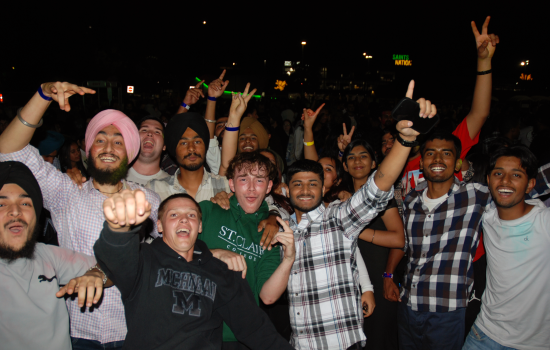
(286, 238)
(125, 209)
(60, 92)
(217, 87)
(427, 110)
(485, 43)
(193, 95)
(309, 116)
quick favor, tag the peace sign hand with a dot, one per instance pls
(309, 116)
(240, 102)
(484, 50)
(60, 92)
(345, 139)
(217, 87)
(193, 95)
(286, 238)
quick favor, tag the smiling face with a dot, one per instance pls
(248, 141)
(17, 220)
(329, 171)
(250, 185)
(359, 163)
(306, 191)
(191, 151)
(387, 143)
(151, 141)
(439, 161)
(508, 182)
(180, 225)
(108, 149)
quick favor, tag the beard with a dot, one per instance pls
(428, 177)
(107, 177)
(302, 209)
(192, 167)
(26, 252)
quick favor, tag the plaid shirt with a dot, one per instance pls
(210, 185)
(323, 288)
(78, 217)
(442, 244)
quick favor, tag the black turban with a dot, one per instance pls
(17, 173)
(176, 128)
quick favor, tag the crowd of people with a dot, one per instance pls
(319, 223)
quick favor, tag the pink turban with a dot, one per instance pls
(125, 125)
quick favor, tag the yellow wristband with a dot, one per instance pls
(309, 143)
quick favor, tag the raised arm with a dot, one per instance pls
(231, 137)
(19, 132)
(390, 169)
(191, 97)
(481, 103)
(215, 91)
(117, 249)
(309, 116)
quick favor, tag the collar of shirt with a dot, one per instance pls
(175, 183)
(307, 218)
(89, 186)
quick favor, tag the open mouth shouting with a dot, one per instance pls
(182, 232)
(16, 227)
(148, 144)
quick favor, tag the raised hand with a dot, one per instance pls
(427, 110)
(193, 95)
(484, 50)
(217, 87)
(60, 92)
(286, 238)
(240, 102)
(126, 209)
(309, 116)
(345, 139)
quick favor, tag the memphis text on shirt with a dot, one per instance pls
(190, 282)
(238, 244)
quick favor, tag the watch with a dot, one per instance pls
(406, 143)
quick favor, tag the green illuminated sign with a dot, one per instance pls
(402, 60)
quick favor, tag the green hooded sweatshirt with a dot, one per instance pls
(237, 231)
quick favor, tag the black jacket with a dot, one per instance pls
(171, 303)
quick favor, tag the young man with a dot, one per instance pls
(233, 234)
(442, 223)
(33, 314)
(147, 166)
(175, 281)
(324, 298)
(112, 142)
(187, 139)
(515, 309)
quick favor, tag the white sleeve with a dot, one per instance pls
(364, 279)
(214, 156)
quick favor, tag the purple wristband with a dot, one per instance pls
(41, 93)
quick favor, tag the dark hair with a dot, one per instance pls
(248, 161)
(338, 166)
(332, 194)
(65, 158)
(281, 200)
(151, 118)
(526, 157)
(305, 165)
(175, 196)
(445, 136)
(359, 142)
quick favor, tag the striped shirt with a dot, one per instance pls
(78, 217)
(442, 243)
(323, 288)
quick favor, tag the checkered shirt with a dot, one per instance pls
(442, 244)
(323, 288)
(210, 185)
(78, 217)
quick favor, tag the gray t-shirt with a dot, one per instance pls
(31, 316)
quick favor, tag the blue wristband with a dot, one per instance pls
(41, 93)
(186, 106)
(232, 129)
(387, 275)
(340, 154)
(212, 98)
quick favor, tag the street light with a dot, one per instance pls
(368, 57)
(522, 63)
(364, 53)
(303, 42)
(203, 22)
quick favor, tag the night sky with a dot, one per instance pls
(143, 45)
